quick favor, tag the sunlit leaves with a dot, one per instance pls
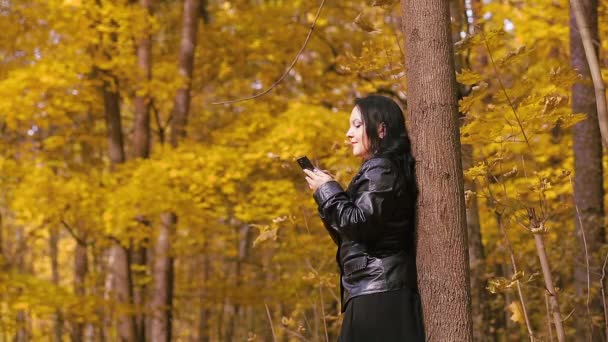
(468, 77)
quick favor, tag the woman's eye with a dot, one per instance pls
(357, 126)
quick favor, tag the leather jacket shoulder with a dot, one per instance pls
(372, 224)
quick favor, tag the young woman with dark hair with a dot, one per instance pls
(372, 222)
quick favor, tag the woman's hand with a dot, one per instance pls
(317, 178)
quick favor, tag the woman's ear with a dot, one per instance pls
(381, 130)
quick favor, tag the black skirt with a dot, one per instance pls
(384, 317)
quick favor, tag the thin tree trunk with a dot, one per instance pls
(433, 125)
(53, 241)
(118, 282)
(186, 66)
(243, 242)
(2, 255)
(477, 262)
(161, 302)
(97, 332)
(587, 36)
(111, 100)
(479, 302)
(547, 276)
(141, 134)
(141, 149)
(588, 179)
(21, 319)
(139, 259)
(204, 313)
(80, 272)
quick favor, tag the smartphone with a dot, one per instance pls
(305, 163)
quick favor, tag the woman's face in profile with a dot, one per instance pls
(356, 134)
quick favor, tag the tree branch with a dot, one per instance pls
(594, 69)
(312, 27)
(74, 235)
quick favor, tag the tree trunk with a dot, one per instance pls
(477, 262)
(141, 134)
(163, 281)
(588, 186)
(80, 272)
(204, 313)
(53, 242)
(479, 300)
(2, 256)
(21, 330)
(111, 100)
(243, 243)
(141, 149)
(139, 257)
(118, 281)
(442, 259)
(161, 302)
(587, 38)
(186, 66)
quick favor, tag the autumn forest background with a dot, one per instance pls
(149, 190)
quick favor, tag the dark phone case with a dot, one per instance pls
(305, 163)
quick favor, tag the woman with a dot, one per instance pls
(372, 222)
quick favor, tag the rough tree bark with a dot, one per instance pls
(588, 186)
(442, 259)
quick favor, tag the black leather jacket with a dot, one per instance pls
(372, 224)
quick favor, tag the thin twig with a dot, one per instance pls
(295, 60)
(161, 128)
(306, 321)
(74, 235)
(274, 336)
(568, 315)
(535, 223)
(594, 69)
(323, 313)
(580, 222)
(514, 265)
(504, 90)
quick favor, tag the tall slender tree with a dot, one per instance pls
(141, 149)
(479, 303)
(588, 180)
(163, 264)
(118, 281)
(442, 260)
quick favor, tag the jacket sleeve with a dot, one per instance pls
(361, 217)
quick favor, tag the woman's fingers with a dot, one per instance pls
(312, 174)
